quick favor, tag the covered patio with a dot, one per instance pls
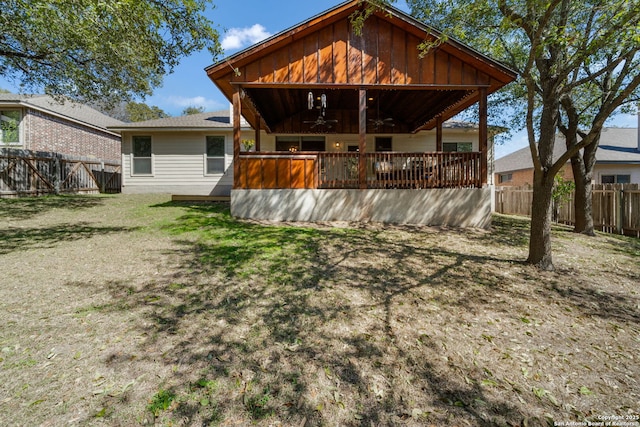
(320, 78)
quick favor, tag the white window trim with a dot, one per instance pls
(132, 157)
(205, 157)
(20, 142)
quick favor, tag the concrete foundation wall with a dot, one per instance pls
(450, 207)
(188, 190)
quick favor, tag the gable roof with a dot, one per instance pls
(207, 120)
(69, 110)
(617, 146)
(322, 54)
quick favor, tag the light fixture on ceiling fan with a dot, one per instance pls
(320, 121)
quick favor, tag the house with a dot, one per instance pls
(617, 160)
(193, 155)
(347, 113)
(187, 155)
(343, 127)
(40, 123)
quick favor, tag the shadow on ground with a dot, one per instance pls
(28, 207)
(26, 238)
(322, 326)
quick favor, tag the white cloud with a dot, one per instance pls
(196, 101)
(237, 38)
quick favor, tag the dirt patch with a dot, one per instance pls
(126, 310)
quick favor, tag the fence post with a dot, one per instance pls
(619, 211)
(102, 178)
(57, 172)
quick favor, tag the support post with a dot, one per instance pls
(439, 133)
(362, 145)
(237, 111)
(257, 137)
(483, 136)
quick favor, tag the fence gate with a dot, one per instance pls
(27, 174)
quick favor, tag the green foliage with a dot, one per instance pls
(192, 110)
(562, 189)
(100, 50)
(161, 401)
(258, 405)
(359, 17)
(138, 112)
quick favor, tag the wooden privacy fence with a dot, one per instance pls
(616, 207)
(25, 173)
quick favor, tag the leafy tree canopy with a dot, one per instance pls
(138, 112)
(100, 50)
(192, 110)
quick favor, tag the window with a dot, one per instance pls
(141, 155)
(460, 147)
(384, 144)
(506, 177)
(615, 179)
(300, 143)
(10, 127)
(215, 155)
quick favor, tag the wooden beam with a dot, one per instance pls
(237, 134)
(349, 86)
(439, 133)
(483, 136)
(257, 137)
(362, 127)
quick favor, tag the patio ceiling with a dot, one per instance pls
(285, 110)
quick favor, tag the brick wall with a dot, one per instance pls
(44, 132)
(524, 177)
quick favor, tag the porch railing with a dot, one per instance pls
(401, 170)
(341, 170)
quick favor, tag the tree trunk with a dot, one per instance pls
(543, 180)
(583, 166)
(541, 214)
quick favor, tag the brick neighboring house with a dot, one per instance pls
(617, 160)
(39, 123)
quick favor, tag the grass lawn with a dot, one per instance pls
(132, 310)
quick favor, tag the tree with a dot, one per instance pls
(138, 112)
(547, 42)
(192, 110)
(600, 88)
(93, 50)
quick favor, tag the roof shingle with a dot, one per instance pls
(617, 145)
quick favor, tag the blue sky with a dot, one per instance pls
(245, 22)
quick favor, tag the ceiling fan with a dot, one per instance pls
(378, 121)
(321, 121)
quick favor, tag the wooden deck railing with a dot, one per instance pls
(263, 171)
(341, 170)
(401, 170)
